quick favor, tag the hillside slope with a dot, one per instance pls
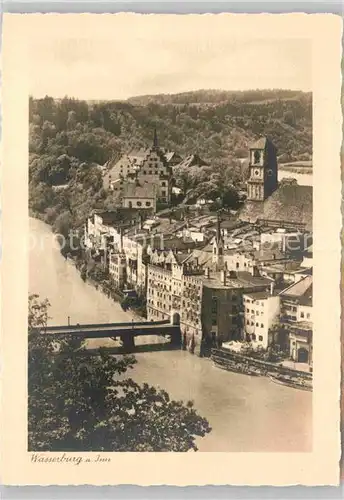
(69, 138)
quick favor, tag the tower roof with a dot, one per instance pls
(218, 230)
(155, 139)
(261, 143)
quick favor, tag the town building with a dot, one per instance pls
(296, 318)
(261, 313)
(135, 195)
(151, 166)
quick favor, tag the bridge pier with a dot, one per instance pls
(176, 339)
(128, 342)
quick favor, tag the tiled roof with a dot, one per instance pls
(119, 214)
(181, 257)
(191, 161)
(289, 203)
(246, 278)
(137, 156)
(170, 155)
(259, 144)
(258, 295)
(300, 289)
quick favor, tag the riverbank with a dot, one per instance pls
(277, 372)
(103, 284)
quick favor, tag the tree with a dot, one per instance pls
(93, 408)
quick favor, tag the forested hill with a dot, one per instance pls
(68, 137)
(215, 96)
(217, 125)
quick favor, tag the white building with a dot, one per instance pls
(261, 313)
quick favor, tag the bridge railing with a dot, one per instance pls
(154, 329)
(56, 328)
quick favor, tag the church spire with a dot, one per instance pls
(155, 139)
(218, 228)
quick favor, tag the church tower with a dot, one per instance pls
(218, 246)
(263, 170)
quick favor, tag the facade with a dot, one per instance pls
(117, 269)
(155, 171)
(139, 196)
(151, 166)
(296, 317)
(261, 313)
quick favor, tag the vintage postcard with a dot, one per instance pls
(171, 223)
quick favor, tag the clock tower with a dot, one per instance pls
(263, 170)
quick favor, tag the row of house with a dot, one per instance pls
(246, 278)
(219, 295)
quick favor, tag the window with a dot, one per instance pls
(252, 311)
(150, 172)
(252, 323)
(257, 313)
(302, 315)
(262, 325)
(260, 338)
(256, 157)
(237, 265)
(253, 336)
(248, 322)
(214, 321)
(163, 193)
(144, 172)
(247, 310)
(257, 324)
(163, 183)
(139, 203)
(308, 315)
(148, 203)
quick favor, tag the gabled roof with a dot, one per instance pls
(302, 289)
(172, 155)
(192, 161)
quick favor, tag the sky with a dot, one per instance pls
(120, 57)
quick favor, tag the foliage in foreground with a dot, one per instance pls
(83, 403)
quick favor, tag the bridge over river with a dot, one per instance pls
(125, 332)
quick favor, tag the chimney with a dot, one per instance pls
(272, 287)
(223, 277)
(207, 272)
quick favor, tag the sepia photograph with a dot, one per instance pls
(169, 246)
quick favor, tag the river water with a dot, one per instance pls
(247, 414)
(302, 179)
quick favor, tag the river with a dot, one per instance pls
(303, 179)
(247, 414)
